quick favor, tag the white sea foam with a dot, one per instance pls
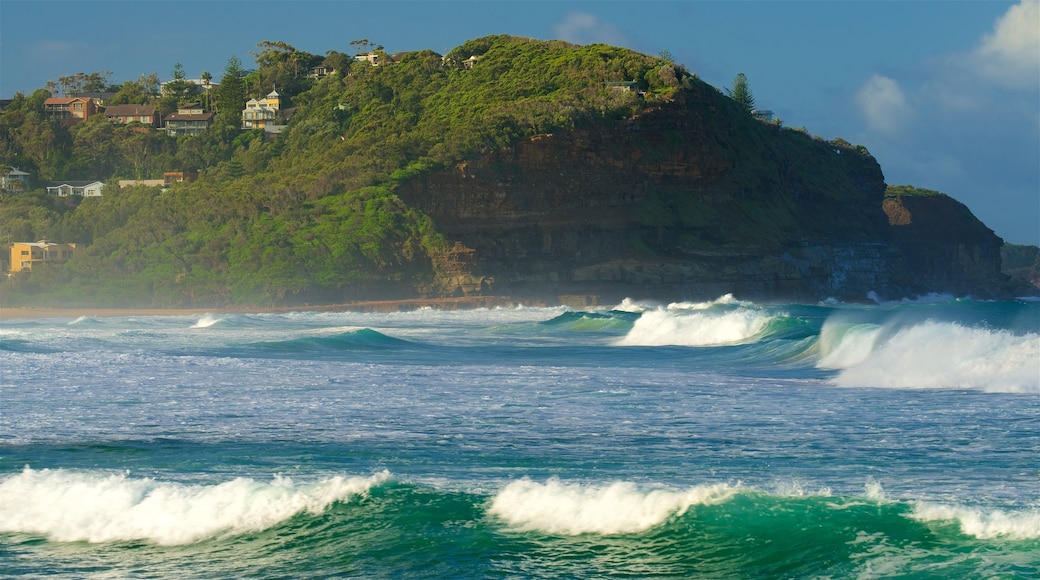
(561, 508)
(629, 305)
(690, 325)
(69, 506)
(1023, 525)
(207, 321)
(931, 355)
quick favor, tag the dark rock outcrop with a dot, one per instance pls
(692, 200)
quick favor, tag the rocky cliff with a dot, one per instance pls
(694, 199)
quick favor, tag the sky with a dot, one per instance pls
(944, 93)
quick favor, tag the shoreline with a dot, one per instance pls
(462, 303)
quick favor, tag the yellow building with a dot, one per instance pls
(24, 255)
(260, 113)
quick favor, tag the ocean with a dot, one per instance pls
(724, 439)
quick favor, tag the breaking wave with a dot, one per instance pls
(618, 508)
(722, 322)
(76, 506)
(930, 354)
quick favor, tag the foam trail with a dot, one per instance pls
(72, 506)
(982, 525)
(933, 355)
(619, 508)
(695, 327)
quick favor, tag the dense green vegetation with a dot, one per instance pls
(1021, 261)
(310, 216)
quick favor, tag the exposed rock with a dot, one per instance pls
(697, 199)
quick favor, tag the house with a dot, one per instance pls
(146, 114)
(24, 255)
(622, 86)
(171, 177)
(14, 181)
(260, 113)
(145, 182)
(188, 120)
(84, 188)
(320, 72)
(762, 114)
(99, 98)
(372, 58)
(168, 178)
(70, 109)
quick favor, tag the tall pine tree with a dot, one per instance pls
(741, 92)
(231, 95)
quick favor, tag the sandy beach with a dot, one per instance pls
(359, 306)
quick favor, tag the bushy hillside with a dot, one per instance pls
(312, 216)
(337, 208)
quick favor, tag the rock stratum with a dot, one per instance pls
(695, 199)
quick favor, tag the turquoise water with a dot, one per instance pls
(719, 440)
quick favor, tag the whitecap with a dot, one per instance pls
(931, 354)
(982, 524)
(77, 506)
(621, 507)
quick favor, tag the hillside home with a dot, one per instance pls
(622, 86)
(319, 72)
(99, 98)
(171, 177)
(84, 188)
(145, 182)
(70, 109)
(24, 255)
(372, 58)
(146, 114)
(260, 113)
(15, 181)
(188, 120)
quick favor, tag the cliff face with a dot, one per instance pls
(943, 247)
(693, 200)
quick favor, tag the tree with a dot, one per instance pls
(137, 92)
(180, 88)
(231, 94)
(741, 92)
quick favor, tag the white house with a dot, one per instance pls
(84, 188)
(14, 181)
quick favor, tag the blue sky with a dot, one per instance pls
(945, 94)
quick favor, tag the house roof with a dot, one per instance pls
(62, 100)
(129, 110)
(39, 244)
(74, 183)
(16, 172)
(189, 117)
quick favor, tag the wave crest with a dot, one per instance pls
(930, 355)
(71, 506)
(980, 524)
(618, 508)
(696, 325)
